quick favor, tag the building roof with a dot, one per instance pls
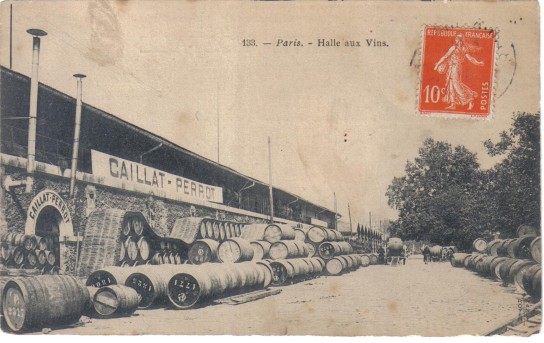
(55, 125)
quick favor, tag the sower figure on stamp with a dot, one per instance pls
(456, 92)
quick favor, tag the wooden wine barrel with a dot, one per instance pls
(122, 252)
(276, 232)
(30, 243)
(216, 231)
(524, 230)
(535, 249)
(536, 290)
(151, 283)
(300, 233)
(328, 250)
(474, 261)
(132, 249)
(42, 258)
(338, 235)
(479, 245)
(502, 249)
(35, 301)
(330, 235)
(491, 248)
(18, 239)
(31, 260)
(202, 229)
(335, 266)
(436, 251)
(300, 267)
(316, 235)
(373, 259)
(518, 278)
(349, 262)
(285, 249)
(235, 250)
(115, 300)
(126, 228)
(178, 259)
(3, 281)
(3, 237)
(311, 249)
(203, 250)
(156, 259)
(515, 269)
(268, 272)
(282, 272)
(18, 256)
(144, 248)
(209, 229)
(493, 265)
(43, 243)
(251, 271)
(138, 225)
(5, 251)
(394, 244)
(109, 276)
(458, 259)
(222, 231)
(528, 280)
(260, 249)
(487, 269)
(520, 248)
(311, 266)
(51, 258)
(186, 289)
(365, 260)
(239, 274)
(504, 269)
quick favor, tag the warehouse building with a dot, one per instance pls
(119, 166)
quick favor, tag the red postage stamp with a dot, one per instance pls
(457, 71)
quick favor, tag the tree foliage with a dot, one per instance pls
(445, 198)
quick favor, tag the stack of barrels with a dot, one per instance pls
(18, 250)
(314, 236)
(295, 270)
(219, 230)
(189, 229)
(512, 261)
(139, 246)
(345, 263)
(255, 243)
(181, 287)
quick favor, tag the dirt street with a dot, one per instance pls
(416, 299)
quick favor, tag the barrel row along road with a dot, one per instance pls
(416, 299)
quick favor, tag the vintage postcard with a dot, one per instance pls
(321, 168)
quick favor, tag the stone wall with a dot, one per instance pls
(161, 213)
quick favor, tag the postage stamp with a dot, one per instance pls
(457, 71)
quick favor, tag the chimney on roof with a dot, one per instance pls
(31, 158)
(77, 129)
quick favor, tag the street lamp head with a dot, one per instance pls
(80, 76)
(36, 32)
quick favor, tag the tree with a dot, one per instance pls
(435, 194)
(515, 186)
(445, 198)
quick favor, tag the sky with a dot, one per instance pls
(341, 120)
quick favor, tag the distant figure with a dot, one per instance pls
(426, 254)
(381, 255)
